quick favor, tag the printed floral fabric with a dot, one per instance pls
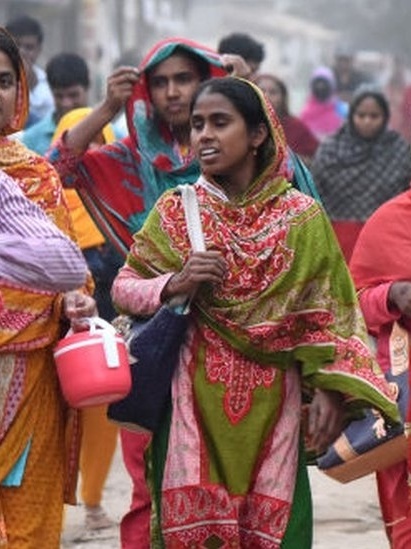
(286, 314)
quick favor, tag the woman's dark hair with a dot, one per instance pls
(281, 86)
(247, 102)
(365, 92)
(10, 48)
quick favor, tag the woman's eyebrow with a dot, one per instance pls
(7, 72)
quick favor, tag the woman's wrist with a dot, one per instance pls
(170, 289)
(108, 110)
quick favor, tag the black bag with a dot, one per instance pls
(155, 344)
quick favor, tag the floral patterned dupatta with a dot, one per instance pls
(289, 296)
(286, 310)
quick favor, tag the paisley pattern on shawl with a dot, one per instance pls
(277, 318)
(285, 313)
(110, 180)
(29, 321)
(37, 179)
(29, 324)
(29, 318)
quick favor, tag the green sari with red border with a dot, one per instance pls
(229, 462)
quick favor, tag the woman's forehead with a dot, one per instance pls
(213, 100)
(368, 102)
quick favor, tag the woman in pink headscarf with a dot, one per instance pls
(324, 113)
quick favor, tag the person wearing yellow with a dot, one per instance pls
(88, 235)
(37, 469)
(99, 436)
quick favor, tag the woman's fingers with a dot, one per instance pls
(205, 267)
(200, 267)
(326, 419)
(120, 84)
(78, 305)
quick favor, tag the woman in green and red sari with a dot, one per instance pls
(120, 182)
(274, 309)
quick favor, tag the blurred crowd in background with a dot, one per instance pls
(344, 111)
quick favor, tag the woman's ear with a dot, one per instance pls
(259, 135)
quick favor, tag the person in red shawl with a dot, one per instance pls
(381, 269)
(120, 183)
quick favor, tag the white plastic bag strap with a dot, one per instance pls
(95, 322)
(108, 334)
(98, 322)
(192, 215)
(102, 328)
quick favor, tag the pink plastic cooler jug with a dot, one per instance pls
(93, 366)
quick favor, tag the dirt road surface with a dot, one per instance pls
(346, 516)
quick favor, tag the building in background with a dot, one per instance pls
(92, 28)
(102, 30)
